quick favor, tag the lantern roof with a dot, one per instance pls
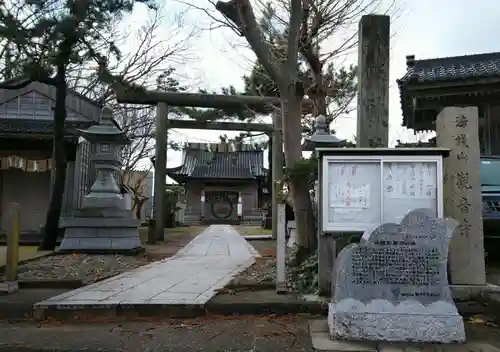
(321, 137)
(106, 130)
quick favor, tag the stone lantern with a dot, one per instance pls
(103, 224)
(321, 137)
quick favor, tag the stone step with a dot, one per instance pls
(321, 341)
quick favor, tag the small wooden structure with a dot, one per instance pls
(26, 127)
(224, 183)
(470, 80)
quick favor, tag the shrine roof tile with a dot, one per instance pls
(245, 165)
(453, 68)
(466, 69)
(40, 127)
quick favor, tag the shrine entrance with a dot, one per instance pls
(221, 206)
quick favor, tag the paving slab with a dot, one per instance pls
(192, 276)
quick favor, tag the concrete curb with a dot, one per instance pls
(258, 237)
(251, 286)
(63, 284)
(132, 312)
(267, 308)
(190, 310)
(127, 252)
(138, 311)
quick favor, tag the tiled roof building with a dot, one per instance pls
(220, 161)
(224, 182)
(431, 84)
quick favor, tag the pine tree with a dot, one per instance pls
(49, 37)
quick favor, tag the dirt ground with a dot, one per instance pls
(211, 333)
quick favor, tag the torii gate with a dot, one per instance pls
(137, 95)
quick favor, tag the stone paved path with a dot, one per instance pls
(192, 276)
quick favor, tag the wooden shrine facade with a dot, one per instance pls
(224, 183)
(471, 80)
(26, 130)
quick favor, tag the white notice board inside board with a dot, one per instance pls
(361, 192)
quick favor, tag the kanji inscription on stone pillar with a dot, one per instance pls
(457, 130)
(373, 81)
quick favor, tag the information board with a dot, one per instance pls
(353, 190)
(408, 186)
(363, 192)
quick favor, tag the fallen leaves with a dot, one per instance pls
(90, 268)
(226, 291)
(481, 320)
(269, 253)
(85, 267)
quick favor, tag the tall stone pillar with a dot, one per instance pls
(457, 130)
(160, 171)
(373, 81)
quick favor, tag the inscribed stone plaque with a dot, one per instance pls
(457, 130)
(397, 273)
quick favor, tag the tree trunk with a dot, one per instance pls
(270, 163)
(299, 188)
(51, 229)
(138, 207)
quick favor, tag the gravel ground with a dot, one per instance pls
(264, 268)
(85, 267)
(90, 268)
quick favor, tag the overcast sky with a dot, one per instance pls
(425, 28)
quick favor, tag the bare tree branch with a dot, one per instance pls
(240, 12)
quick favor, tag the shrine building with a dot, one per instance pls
(224, 183)
(470, 80)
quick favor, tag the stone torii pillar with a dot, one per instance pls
(160, 171)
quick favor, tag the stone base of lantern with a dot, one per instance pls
(106, 231)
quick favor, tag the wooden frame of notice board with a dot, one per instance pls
(361, 188)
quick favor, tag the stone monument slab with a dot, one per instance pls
(393, 285)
